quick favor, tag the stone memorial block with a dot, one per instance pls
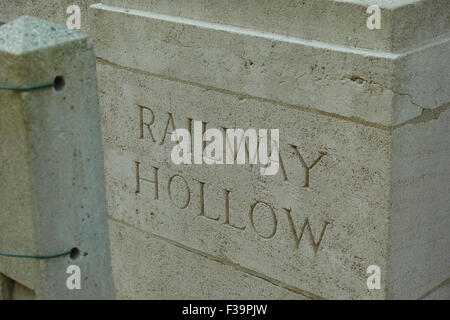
(52, 176)
(363, 175)
(316, 58)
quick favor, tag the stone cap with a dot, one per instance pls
(27, 34)
(405, 24)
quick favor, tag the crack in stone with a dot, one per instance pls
(242, 96)
(427, 115)
(360, 80)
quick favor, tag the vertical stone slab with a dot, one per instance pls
(52, 191)
(419, 264)
(373, 101)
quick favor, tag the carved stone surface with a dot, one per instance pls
(364, 130)
(363, 172)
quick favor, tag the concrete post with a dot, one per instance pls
(52, 192)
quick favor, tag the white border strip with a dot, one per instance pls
(268, 35)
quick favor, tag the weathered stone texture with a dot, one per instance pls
(371, 106)
(340, 96)
(52, 192)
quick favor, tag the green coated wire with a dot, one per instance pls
(34, 256)
(11, 255)
(28, 89)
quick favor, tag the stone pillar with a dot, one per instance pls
(52, 191)
(364, 129)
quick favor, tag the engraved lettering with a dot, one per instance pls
(169, 122)
(138, 179)
(202, 201)
(188, 192)
(283, 169)
(305, 165)
(227, 211)
(274, 218)
(147, 124)
(306, 224)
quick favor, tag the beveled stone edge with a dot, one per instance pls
(273, 36)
